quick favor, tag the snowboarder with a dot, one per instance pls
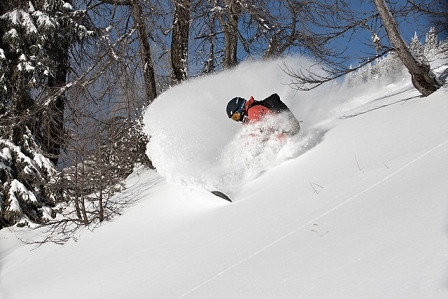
(253, 111)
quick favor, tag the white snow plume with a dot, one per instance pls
(188, 126)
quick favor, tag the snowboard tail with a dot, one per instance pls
(222, 195)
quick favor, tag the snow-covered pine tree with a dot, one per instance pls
(431, 42)
(416, 46)
(35, 37)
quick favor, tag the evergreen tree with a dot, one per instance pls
(431, 42)
(416, 46)
(35, 40)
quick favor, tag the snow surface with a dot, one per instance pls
(356, 207)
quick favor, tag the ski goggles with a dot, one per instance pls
(236, 116)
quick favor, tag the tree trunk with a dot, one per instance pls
(209, 66)
(145, 52)
(179, 41)
(230, 28)
(53, 119)
(422, 78)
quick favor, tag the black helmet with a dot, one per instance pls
(236, 106)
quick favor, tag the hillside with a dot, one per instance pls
(356, 207)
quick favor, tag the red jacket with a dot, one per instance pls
(254, 112)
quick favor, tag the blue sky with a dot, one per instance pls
(362, 43)
(358, 43)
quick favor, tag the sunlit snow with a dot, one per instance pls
(355, 207)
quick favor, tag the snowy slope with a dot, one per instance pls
(356, 208)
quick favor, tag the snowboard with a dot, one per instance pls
(222, 195)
